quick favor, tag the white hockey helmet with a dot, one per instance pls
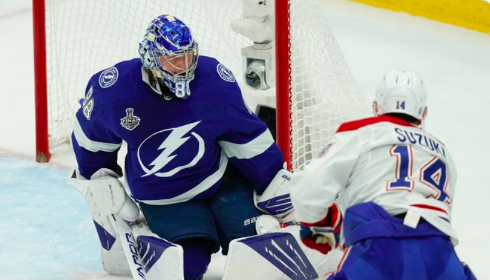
(401, 92)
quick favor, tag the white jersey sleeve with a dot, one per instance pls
(383, 160)
(315, 188)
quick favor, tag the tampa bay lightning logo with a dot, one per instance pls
(178, 143)
(225, 73)
(108, 77)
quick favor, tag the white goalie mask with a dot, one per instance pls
(401, 92)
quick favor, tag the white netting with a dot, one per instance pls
(86, 36)
(325, 93)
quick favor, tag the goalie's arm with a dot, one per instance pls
(248, 143)
(94, 144)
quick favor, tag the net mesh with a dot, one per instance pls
(324, 92)
(86, 36)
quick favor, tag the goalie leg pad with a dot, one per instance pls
(114, 260)
(105, 196)
(154, 258)
(277, 255)
(272, 256)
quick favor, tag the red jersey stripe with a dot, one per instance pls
(355, 125)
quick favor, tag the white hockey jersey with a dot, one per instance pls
(384, 160)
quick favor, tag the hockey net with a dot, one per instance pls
(86, 36)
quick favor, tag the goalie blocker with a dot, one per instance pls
(276, 198)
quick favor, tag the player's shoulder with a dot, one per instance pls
(117, 77)
(109, 86)
(372, 121)
(215, 71)
(216, 80)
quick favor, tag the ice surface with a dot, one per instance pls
(46, 232)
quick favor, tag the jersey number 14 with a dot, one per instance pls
(433, 173)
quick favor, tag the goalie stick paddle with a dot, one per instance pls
(130, 248)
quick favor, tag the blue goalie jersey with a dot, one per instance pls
(178, 149)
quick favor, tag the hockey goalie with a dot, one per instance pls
(199, 166)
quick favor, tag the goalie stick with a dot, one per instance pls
(130, 248)
(149, 257)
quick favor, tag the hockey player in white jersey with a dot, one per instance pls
(394, 182)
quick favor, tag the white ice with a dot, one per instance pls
(46, 233)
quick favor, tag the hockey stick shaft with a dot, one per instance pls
(130, 249)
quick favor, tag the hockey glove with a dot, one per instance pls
(276, 199)
(323, 236)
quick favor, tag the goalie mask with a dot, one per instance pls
(401, 92)
(169, 51)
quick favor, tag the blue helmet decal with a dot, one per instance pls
(172, 35)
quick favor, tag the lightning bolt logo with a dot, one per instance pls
(173, 142)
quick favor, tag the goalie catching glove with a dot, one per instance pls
(323, 236)
(276, 198)
(105, 196)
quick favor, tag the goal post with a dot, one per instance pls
(283, 81)
(315, 89)
(323, 93)
(40, 80)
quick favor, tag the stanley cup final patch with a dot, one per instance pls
(131, 121)
(108, 77)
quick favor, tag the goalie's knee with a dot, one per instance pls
(197, 256)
